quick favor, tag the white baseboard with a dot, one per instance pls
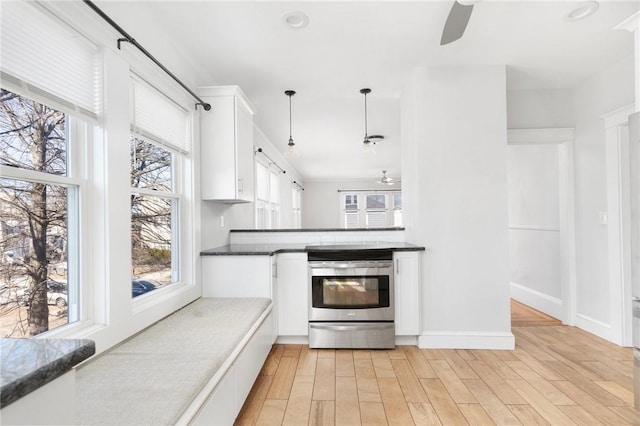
(406, 340)
(467, 340)
(544, 303)
(596, 327)
(304, 340)
(293, 340)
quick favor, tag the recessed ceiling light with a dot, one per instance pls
(584, 9)
(295, 19)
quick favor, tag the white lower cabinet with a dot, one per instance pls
(236, 276)
(220, 408)
(407, 292)
(224, 403)
(293, 294)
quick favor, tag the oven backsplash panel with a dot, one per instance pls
(317, 237)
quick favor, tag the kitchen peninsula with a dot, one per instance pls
(273, 264)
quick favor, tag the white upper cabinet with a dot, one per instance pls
(226, 135)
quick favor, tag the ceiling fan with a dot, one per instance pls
(385, 180)
(457, 20)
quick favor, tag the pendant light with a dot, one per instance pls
(366, 142)
(291, 145)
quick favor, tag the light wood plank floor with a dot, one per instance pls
(525, 316)
(557, 375)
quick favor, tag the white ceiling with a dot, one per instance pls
(351, 45)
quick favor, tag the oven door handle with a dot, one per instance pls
(359, 327)
(350, 265)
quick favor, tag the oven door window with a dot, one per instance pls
(350, 292)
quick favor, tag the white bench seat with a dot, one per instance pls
(155, 377)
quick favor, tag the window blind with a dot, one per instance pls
(157, 116)
(274, 187)
(45, 53)
(262, 182)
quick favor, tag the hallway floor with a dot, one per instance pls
(525, 316)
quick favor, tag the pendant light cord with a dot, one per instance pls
(365, 92)
(365, 116)
(291, 144)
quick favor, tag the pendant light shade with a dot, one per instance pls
(366, 143)
(291, 151)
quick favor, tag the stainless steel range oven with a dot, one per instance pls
(351, 298)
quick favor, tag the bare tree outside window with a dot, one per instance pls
(152, 214)
(33, 217)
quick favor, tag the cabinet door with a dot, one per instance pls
(293, 289)
(274, 299)
(407, 293)
(226, 135)
(244, 153)
(217, 149)
(220, 408)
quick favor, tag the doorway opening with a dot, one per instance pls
(542, 222)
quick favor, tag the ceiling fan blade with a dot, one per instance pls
(456, 23)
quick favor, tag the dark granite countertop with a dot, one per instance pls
(27, 364)
(394, 228)
(271, 249)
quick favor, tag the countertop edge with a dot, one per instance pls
(226, 251)
(394, 228)
(32, 380)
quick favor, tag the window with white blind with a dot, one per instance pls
(157, 117)
(160, 143)
(351, 211)
(61, 64)
(371, 209)
(376, 211)
(50, 96)
(262, 195)
(267, 196)
(397, 208)
(296, 206)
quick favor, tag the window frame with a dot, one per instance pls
(296, 206)
(267, 208)
(79, 131)
(176, 196)
(361, 211)
(183, 189)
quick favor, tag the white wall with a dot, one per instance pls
(602, 93)
(540, 109)
(321, 200)
(454, 162)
